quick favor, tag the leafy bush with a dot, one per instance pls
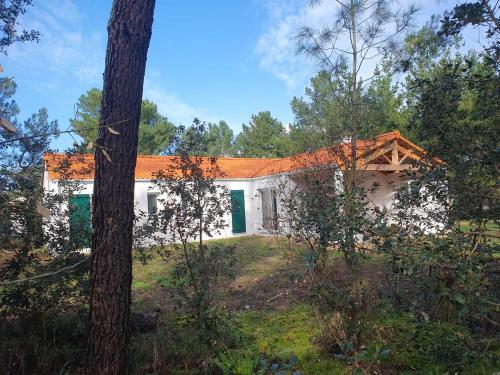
(447, 344)
(448, 268)
(44, 343)
(410, 342)
(450, 279)
(192, 207)
(344, 299)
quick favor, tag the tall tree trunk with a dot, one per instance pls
(355, 126)
(354, 89)
(129, 33)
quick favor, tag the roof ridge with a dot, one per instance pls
(168, 156)
(397, 133)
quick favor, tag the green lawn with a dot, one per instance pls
(279, 326)
(257, 258)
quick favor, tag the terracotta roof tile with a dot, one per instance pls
(82, 166)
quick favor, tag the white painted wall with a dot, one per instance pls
(253, 201)
(382, 197)
(143, 187)
(253, 210)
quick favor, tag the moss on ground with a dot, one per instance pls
(280, 336)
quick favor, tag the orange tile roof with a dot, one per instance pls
(82, 166)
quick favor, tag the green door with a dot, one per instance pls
(238, 211)
(79, 220)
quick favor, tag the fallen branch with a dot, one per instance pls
(485, 234)
(47, 274)
(273, 298)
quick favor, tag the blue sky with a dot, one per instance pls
(216, 60)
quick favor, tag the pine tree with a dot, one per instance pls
(129, 33)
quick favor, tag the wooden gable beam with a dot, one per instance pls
(395, 152)
(395, 162)
(386, 158)
(377, 152)
(389, 167)
(409, 154)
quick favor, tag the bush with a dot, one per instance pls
(344, 298)
(411, 342)
(447, 344)
(449, 277)
(44, 343)
(182, 343)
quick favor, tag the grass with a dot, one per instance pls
(280, 336)
(279, 326)
(258, 257)
(250, 250)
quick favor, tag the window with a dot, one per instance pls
(269, 209)
(152, 203)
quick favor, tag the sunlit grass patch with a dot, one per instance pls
(249, 251)
(157, 266)
(491, 232)
(137, 284)
(256, 256)
(281, 340)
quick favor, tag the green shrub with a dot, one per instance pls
(415, 344)
(44, 343)
(182, 343)
(445, 343)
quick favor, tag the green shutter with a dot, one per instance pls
(238, 211)
(79, 221)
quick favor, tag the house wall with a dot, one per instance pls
(382, 188)
(252, 208)
(250, 187)
(383, 196)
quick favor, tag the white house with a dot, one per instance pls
(256, 183)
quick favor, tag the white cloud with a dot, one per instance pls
(277, 46)
(169, 105)
(177, 110)
(65, 47)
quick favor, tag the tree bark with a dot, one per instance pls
(129, 33)
(354, 88)
(351, 172)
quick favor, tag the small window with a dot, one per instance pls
(152, 203)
